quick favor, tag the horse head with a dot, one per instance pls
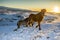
(43, 10)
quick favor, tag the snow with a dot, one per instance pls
(50, 28)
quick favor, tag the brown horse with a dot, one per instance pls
(37, 17)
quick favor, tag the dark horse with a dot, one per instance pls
(25, 22)
(37, 17)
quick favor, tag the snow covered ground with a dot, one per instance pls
(50, 28)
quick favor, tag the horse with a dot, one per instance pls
(25, 22)
(37, 17)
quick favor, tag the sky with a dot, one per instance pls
(31, 4)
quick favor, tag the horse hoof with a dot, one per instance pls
(36, 26)
(15, 30)
(39, 28)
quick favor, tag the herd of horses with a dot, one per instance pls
(31, 19)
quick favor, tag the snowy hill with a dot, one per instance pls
(7, 19)
(50, 28)
(13, 9)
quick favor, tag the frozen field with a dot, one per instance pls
(50, 28)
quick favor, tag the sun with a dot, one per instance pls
(56, 9)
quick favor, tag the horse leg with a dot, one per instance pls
(32, 24)
(18, 26)
(26, 25)
(39, 25)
